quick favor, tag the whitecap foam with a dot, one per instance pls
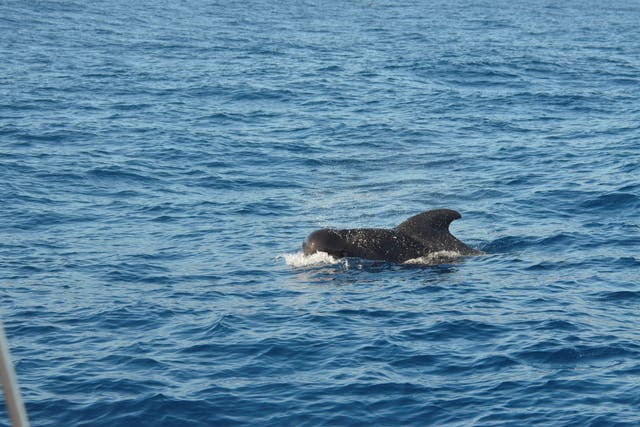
(440, 257)
(299, 259)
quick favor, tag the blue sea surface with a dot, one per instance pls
(162, 162)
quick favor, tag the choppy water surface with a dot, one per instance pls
(161, 163)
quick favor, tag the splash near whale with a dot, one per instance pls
(421, 236)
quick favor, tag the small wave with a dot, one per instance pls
(298, 259)
(117, 173)
(619, 296)
(440, 257)
(616, 200)
(507, 244)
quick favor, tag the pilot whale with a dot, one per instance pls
(419, 236)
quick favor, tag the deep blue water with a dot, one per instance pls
(161, 163)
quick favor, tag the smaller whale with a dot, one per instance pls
(419, 236)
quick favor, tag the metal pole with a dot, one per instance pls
(11, 391)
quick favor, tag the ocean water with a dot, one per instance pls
(162, 162)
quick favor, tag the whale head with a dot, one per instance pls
(325, 240)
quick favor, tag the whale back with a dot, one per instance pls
(431, 229)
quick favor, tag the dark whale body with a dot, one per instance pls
(418, 236)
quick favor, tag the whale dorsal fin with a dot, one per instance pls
(428, 225)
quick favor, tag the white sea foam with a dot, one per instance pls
(298, 259)
(440, 257)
